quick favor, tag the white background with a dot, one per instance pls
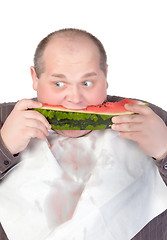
(134, 34)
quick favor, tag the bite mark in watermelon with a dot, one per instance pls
(90, 118)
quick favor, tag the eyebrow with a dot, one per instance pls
(91, 74)
(60, 75)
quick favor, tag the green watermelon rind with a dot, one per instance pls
(91, 118)
(63, 120)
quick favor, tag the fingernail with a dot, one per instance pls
(114, 119)
(40, 104)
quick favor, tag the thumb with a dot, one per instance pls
(25, 104)
(140, 107)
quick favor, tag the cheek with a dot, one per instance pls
(42, 93)
(45, 94)
(97, 96)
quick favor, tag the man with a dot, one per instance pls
(70, 69)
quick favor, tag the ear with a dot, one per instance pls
(106, 84)
(106, 76)
(34, 78)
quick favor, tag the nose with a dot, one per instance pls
(74, 95)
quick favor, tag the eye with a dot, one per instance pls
(59, 84)
(87, 83)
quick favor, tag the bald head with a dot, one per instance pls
(72, 40)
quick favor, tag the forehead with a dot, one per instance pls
(73, 48)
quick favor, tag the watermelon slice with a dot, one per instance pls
(90, 118)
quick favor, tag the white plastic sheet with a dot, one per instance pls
(95, 187)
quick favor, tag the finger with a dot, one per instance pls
(130, 135)
(127, 127)
(37, 116)
(35, 124)
(138, 108)
(25, 104)
(135, 118)
(35, 133)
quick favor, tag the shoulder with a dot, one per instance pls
(7, 105)
(5, 110)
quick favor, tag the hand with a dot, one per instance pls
(145, 127)
(22, 125)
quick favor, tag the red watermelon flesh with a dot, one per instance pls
(107, 108)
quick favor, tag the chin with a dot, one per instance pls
(73, 133)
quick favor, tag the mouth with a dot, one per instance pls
(75, 107)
